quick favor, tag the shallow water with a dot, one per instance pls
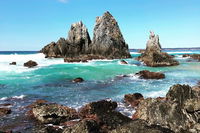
(51, 80)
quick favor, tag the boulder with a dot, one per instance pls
(153, 56)
(78, 80)
(133, 99)
(178, 111)
(13, 63)
(140, 126)
(53, 113)
(30, 64)
(145, 74)
(4, 111)
(193, 56)
(107, 38)
(85, 126)
(104, 113)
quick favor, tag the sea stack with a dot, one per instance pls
(107, 43)
(108, 39)
(153, 55)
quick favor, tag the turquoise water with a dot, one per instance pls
(51, 80)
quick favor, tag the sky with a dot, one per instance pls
(31, 24)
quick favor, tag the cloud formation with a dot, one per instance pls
(63, 1)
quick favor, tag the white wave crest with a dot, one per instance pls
(14, 97)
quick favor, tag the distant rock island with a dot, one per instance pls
(107, 42)
(153, 55)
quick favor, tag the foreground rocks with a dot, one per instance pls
(53, 113)
(107, 43)
(133, 99)
(30, 64)
(150, 75)
(4, 111)
(153, 56)
(179, 110)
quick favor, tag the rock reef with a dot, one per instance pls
(107, 43)
(153, 56)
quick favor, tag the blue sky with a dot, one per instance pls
(31, 24)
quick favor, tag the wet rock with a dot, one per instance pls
(85, 126)
(30, 64)
(53, 113)
(4, 111)
(107, 39)
(140, 126)
(78, 80)
(13, 63)
(193, 56)
(178, 111)
(133, 99)
(71, 60)
(145, 74)
(104, 113)
(123, 62)
(153, 56)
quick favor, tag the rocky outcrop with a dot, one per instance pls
(140, 126)
(193, 56)
(30, 64)
(145, 74)
(153, 56)
(13, 63)
(133, 99)
(107, 38)
(53, 113)
(79, 39)
(108, 42)
(179, 110)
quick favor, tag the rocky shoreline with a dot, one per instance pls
(177, 112)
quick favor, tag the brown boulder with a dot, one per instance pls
(53, 113)
(4, 111)
(150, 75)
(133, 99)
(30, 64)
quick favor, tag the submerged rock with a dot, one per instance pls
(123, 62)
(107, 39)
(145, 74)
(178, 111)
(153, 56)
(78, 80)
(133, 99)
(30, 64)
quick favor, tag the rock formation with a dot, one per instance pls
(153, 56)
(145, 74)
(179, 110)
(107, 43)
(30, 64)
(108, 39)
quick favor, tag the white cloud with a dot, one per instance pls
(63, 1)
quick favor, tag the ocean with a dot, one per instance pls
(52, 80)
